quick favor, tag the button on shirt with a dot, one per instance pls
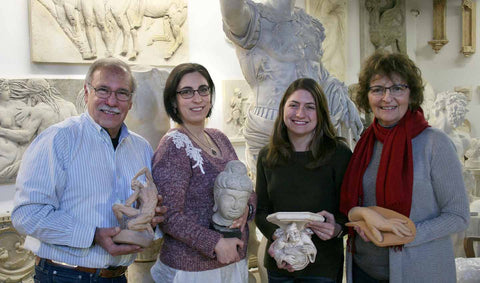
(69, 179)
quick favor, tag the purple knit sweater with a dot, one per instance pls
(184, 175)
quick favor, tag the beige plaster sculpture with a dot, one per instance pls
(231, 191)
(127, 29)
(384, 227)
(469, 16)
(439, 25)
(333, 15)
(136, 228)
(28, 107)
(387, 27)
(473, 154)
(293, 243)
(277, 43)
(16, 263)
(237, 113)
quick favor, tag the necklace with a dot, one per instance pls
(209, 146)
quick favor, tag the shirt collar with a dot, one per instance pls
(123, 132)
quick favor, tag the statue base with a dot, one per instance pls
(227, 232)
(140, 238)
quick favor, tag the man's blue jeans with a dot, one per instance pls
(48, 273)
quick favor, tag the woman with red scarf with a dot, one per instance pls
(402, 164)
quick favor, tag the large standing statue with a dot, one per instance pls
(276, 44)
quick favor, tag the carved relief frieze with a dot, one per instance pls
(29, 106)
(78, 31)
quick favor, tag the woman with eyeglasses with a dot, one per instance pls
(402, 164)
(185, 165)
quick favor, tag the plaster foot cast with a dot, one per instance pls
(231, 191)
(293, 243)
(136, 228)
(384, 227)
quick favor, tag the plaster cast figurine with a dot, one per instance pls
(137, 227)
(237, 115)
(384, 227)
(231, 191)
(450, 109)
(293, 244)
(276, 44)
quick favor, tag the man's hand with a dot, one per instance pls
(160, 211)
(103, 237)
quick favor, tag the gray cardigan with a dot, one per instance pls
(439, 209)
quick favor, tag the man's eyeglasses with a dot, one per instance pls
(395, 90)
(189, 92)
(104, 93)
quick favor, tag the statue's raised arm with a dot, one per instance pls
(236, 16)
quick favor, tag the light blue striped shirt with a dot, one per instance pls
(69, 179)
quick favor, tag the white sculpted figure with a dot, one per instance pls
(473, 154)
(276, 44)
(231, 191)
(450, 109)
(293, 246)
(237, 115)
(139, 217)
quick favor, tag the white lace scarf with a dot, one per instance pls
(182, 140)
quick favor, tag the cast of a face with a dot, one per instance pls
(109, 113)
(194, 110)
(388, 109)
(300, 115)
(232, 203)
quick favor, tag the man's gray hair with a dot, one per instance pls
(111, 63)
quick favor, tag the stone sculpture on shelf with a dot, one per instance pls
(231, 191)
(293, 243)
(277, 43)
(136, 228)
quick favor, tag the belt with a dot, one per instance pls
(110, 272)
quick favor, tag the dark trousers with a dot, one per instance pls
(49, 273)
(360, 276)
(279, 278)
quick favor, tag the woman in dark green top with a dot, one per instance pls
(301, 169)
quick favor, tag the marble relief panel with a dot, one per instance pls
(235, 107)
(78, 31)
(29, 106)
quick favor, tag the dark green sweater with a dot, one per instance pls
(292, 187)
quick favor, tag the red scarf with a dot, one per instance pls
(395, 172)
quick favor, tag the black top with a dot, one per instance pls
(292, 187)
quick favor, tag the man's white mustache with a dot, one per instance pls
(110, 109)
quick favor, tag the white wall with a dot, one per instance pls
(208, 46)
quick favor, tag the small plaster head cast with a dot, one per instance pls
(453, 105)
(231, 191)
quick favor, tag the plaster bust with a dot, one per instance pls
(231, 192)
